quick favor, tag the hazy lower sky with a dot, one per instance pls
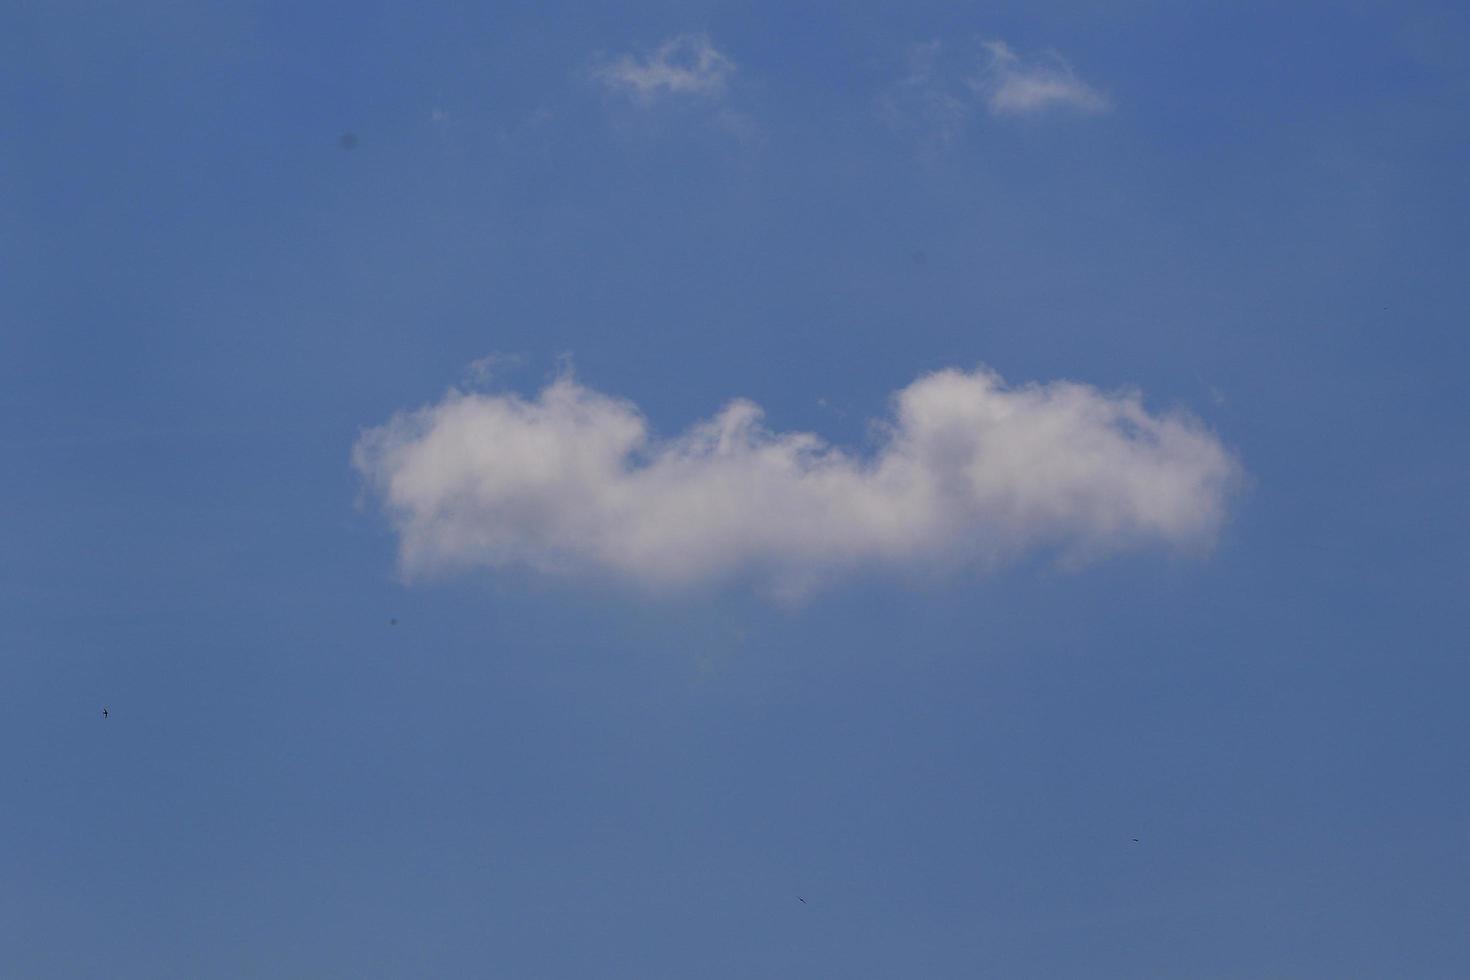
(544, 489)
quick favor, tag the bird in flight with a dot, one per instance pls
(801, 900)
(1135, 840)
(104, 712)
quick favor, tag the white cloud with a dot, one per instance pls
(684, 65)
(1010, 85)
(944, 86)
(968, 471)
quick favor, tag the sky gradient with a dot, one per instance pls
(1216, 251)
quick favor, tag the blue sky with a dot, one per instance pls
(1188, 568)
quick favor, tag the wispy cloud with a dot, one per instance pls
(1010, 85)
(944, 85)
(686, 65)
(490, 368)
(970, 471)
(925, 99)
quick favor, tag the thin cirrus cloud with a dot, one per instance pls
(925, 98)
(946, 84)
(968, 471)
(1010, 85)
(685, 65)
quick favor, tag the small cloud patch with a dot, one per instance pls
(687, 65)
(1011, 86)
(944, 86)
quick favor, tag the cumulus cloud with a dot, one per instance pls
(684, 65)
(1010, 85)
(967, 471)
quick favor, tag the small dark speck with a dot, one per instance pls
(348, 141)
(1135, 840)
(392, 622)
(919, 256)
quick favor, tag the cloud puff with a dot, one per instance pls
(1012, 86)
(684, 65)
(967, 471)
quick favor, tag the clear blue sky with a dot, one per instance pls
(1254, 214)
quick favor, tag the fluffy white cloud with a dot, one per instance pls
(685, 65)
(967, 471)
(1012, 86)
